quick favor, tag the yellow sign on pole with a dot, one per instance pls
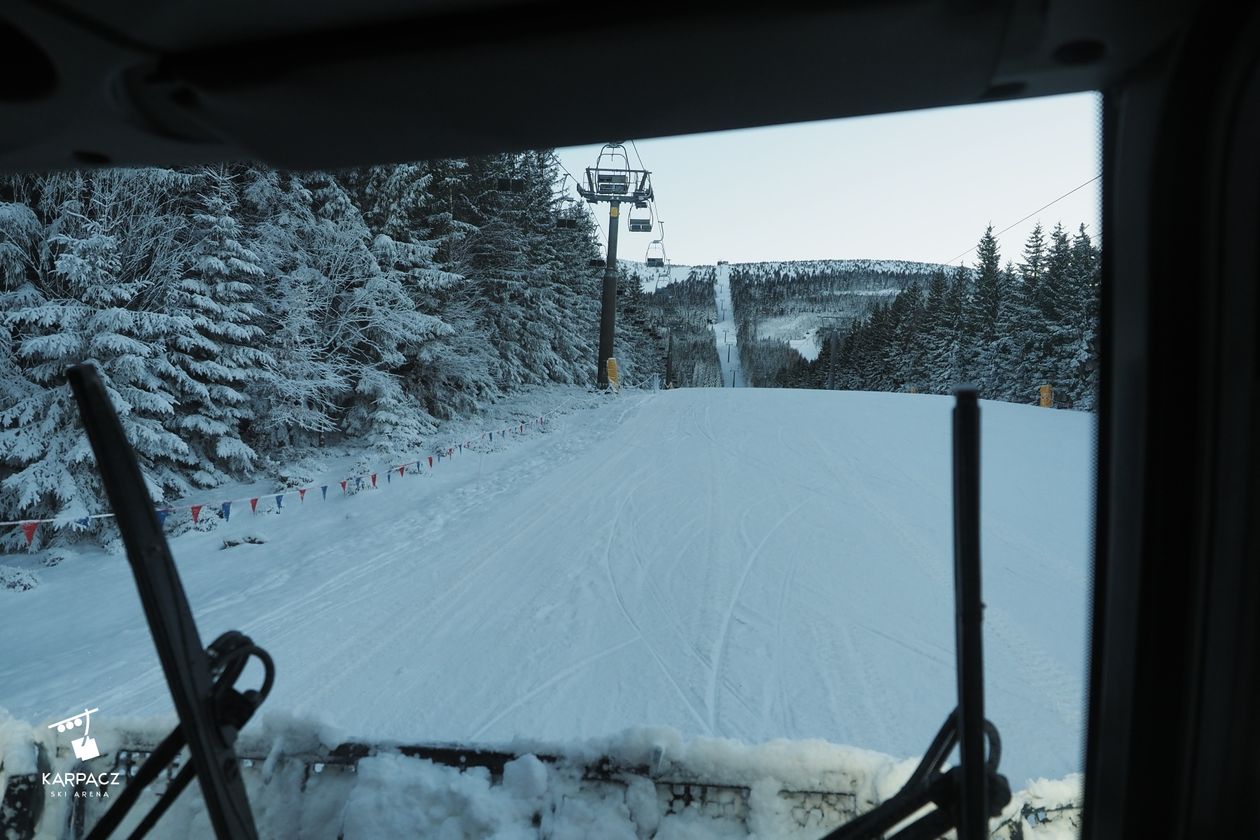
(614, 377)
(1047, 396)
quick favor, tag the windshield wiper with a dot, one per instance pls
(202, 681)
(966, 796)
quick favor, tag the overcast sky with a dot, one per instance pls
(917, 186)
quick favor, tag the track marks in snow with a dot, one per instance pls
(711, 693)
(557, 676)
(625, 610)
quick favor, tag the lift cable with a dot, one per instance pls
(656, 209)
(1026, 218)
(599, 231)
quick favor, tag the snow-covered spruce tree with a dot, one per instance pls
(216, 353)
(939, 332)
(522, 273)
(905, 353)
(415, 235)
(982, 365)
(299, 401)
(374, 323)
(1083, 293)
(1015, 374)
(70, 298)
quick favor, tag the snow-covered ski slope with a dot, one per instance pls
(741, 563)
(725, 332)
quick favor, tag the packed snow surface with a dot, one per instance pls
(734, 563)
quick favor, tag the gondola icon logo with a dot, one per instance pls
(85, 748)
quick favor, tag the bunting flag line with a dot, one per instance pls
(224, 506)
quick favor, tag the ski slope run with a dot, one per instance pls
(741, 563)
(725, 332)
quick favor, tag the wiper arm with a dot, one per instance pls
(211, 711)
(966, 796)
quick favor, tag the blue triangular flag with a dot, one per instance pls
(227, 511)
(358, 483)
(162, 512)
(84, 521)
(323, 488)
(279, 501)
(387, 472)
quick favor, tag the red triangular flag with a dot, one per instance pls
(343, 486)
(402, 470)
(450, 452)
(430, 462)
(373, 479)
(196, 512)
(302, 494)
(29, 528)
(253, 504)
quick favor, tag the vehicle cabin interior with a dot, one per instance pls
(1173, 736)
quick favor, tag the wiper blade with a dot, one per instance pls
(211, 711)
(965, 796)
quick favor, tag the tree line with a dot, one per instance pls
(1008, 330)
(236, 313)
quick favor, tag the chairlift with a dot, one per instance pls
(596, 262)
(566, 223)
(511, 185)
(641, 223)
(612, 170)
(655, 257)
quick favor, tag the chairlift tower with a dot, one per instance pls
(612, 180)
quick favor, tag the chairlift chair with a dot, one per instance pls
(641, 223)
(655, 256)
(611, 171)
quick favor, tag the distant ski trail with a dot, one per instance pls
(724, 332)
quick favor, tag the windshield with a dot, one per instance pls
(638, 449)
